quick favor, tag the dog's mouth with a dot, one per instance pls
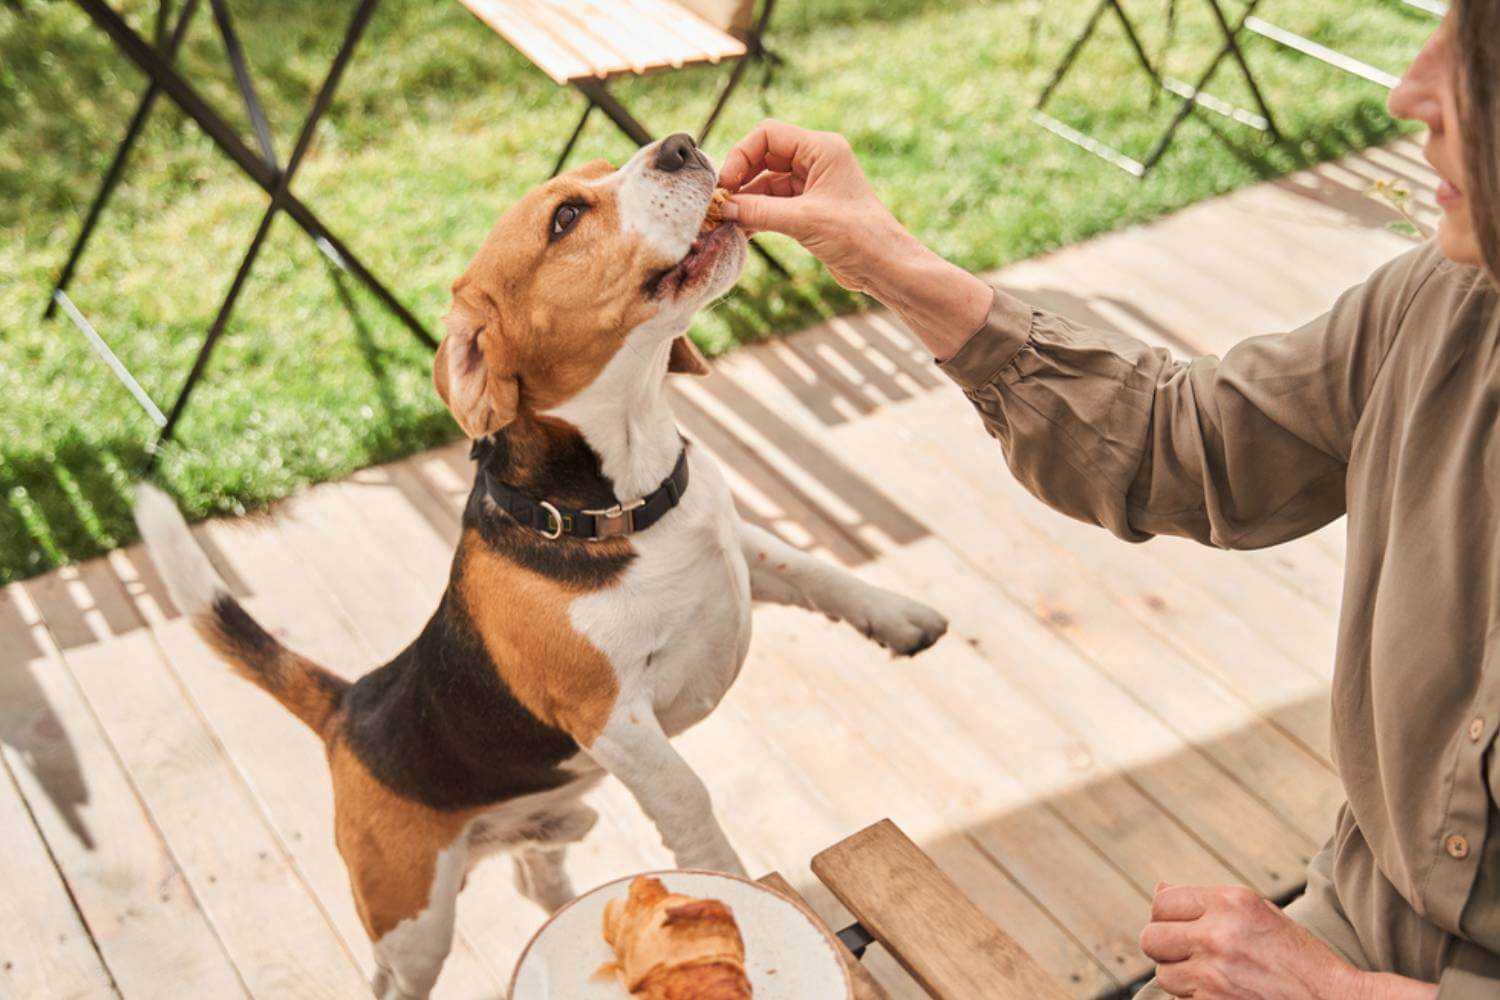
(688, 273)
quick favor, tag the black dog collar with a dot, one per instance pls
(551, 521)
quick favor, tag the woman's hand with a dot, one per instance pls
(808, 185)
(1226, 943)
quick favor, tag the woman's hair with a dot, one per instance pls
(1477, 41)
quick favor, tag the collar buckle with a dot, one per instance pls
(612, 522)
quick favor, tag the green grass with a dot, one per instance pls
(439, 126)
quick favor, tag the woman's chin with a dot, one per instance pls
(1455, 237)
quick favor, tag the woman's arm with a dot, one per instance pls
(1242, 451)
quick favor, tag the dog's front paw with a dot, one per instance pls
(900, 624)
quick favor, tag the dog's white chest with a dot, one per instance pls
(677, 622)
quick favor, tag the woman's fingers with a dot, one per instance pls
(778, 184)
(759, 212)
(771, 145)
(1167, 942)
(1180, 902)
(1176, 979)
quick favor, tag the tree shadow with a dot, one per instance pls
(67, 504)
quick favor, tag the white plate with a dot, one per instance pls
(787, 956)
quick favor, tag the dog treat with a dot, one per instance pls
(671, 947)
(715, 210)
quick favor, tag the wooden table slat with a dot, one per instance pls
(926, 921)
(865, 986)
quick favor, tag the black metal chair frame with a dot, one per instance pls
(597, 95)
(156, 61)
(1191, 94)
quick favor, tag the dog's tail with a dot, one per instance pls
(305, 689)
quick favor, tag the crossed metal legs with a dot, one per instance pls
(263, 169)
(1192, 95)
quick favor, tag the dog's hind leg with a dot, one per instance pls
(541, 875)
(780, 574)
(406, 865)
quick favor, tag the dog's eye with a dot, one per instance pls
(565, 217)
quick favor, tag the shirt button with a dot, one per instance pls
(1476, 729)
(1458, 847)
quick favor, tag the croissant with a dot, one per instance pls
(671, 947)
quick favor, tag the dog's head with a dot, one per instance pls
(590, 262)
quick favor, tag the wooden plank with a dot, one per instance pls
(132, 896)
(44, 949)
(1287, 691)
(908, 904)
(1281, 613)
(559, 61)
(566, 24)
(639, 40)
(1142, 668)
(865, 986)
(877, 758)
(714, 40)
(1126, 825)
(662, 33)
(270, 925)
(1154, 594)
(684, 38)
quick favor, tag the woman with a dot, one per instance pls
(1385, 409)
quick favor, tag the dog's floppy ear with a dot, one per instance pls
(685, 358)
(473, 370)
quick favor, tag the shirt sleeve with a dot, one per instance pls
(1238, 452)
(1472, 974)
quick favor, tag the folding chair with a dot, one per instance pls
(1191, 94)
(1333, 57)
(156, 61)
(587, 43)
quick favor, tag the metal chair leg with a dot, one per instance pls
(215, 331)
(117, 165)
(243, 81)
(567, 149)
(1191, 95)
(227, 139)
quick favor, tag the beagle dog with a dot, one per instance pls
(599, 601)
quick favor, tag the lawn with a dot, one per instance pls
(439, 126)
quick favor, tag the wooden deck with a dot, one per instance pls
(1102, 715)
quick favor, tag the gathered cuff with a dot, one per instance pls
(1472, 973)
(1006, 329)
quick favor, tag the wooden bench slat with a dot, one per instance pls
(926, 921)
(865, 986)
(642, 34)
(568, 26)
(713, 43)
(559, 62)
(672, 35)
(579, 40)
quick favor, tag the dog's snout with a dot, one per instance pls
(677, 152)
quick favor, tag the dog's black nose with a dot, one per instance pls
(676, 152)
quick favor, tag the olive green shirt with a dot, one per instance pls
(1386, 409)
